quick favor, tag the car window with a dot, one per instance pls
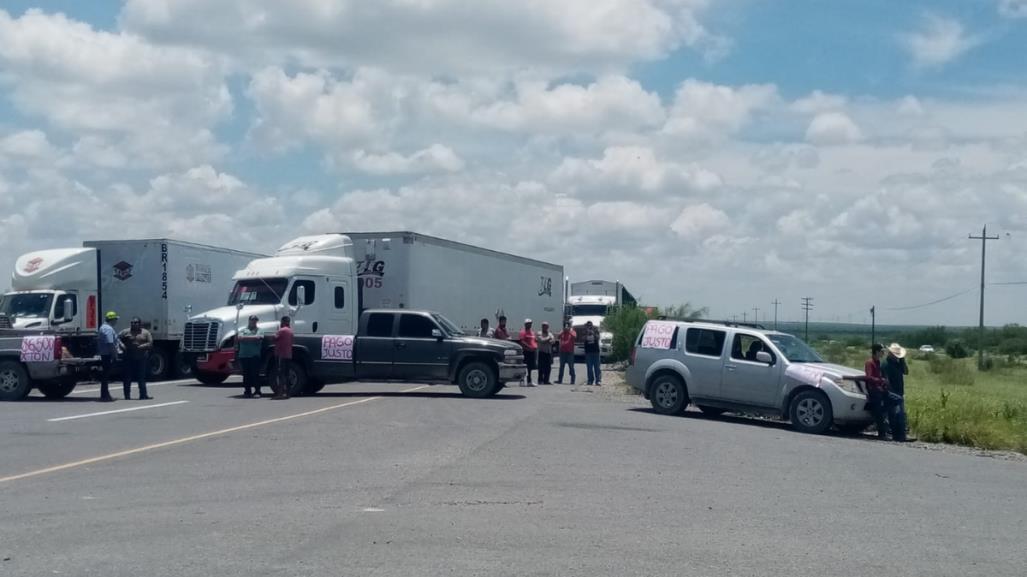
(293, 296)
(379, 325)
(705, 342)
(744, 347)
(58, 309)
(340, 297)
(416, 327)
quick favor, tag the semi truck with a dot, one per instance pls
(591, 301)
(65, 292)
(343, 274)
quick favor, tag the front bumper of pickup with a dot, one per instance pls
(512, 372)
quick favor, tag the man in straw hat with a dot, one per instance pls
(895, 370)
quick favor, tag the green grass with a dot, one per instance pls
(950, 401)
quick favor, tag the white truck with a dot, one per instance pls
(343, 274)
(591, 301)
(65, 292)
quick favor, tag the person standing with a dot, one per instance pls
(283, 354)
(530, 346)
(567, 340)
(485, 331)
(546, 343)
(247, 350)
(138, 343)
(501, 331)
(593, 359)
(107, 348)
(895, 370)
(877, 389)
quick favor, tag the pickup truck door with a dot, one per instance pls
(375, 348)
(746, 380)
(419, 354)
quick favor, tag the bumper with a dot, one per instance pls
(220, 362)
(512, 372)
(848, 407)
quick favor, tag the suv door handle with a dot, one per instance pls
(730, 367)
(400, 345)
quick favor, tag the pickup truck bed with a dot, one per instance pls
(42, 361)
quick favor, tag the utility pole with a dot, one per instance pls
(755, 315)
(873, 325)
(807, 305)
(984, 238)
(775, 303)
(744, 319)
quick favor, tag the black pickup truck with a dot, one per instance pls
(407, 346)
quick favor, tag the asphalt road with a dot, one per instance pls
(368, 480)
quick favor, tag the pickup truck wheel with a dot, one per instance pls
(210, 378)
(668, 395)
(56, 389)
(14, 381)
(297, 380)
(810, 412)
(159, 364)
(477, 380)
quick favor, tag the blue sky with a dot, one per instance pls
(769, 149)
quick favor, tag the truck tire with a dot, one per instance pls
(477, 380)
(183, 365)
(297, 379)
(810, 412)
(159, 364)
(14, 381)
(210, 378)
(56, 389)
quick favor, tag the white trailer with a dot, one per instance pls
(161, 281)
(464, 282)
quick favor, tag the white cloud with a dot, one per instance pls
(818, 101)
(435, 158)
(702, 110)
(833, 128)
(1012, 8)
(698, 221)
(631, 171)
(939, 41)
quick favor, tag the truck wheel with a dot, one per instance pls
(810, 412)
(668, 395)
(210, 378)
(159, 364)
(56, 389)
(183, 365)
(477, 380)
(14, 381)
(297, 380)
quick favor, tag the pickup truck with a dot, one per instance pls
(407, 346)
(53, 364)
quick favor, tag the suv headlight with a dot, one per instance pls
(848, 386)
(508, 353)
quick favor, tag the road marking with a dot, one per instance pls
(73, 417)
(190, 439)
(373, 510)
(116, 383)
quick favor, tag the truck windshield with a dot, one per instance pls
(588, 310)
(794, 349)
(26, 305)
(258, 291)
(447, 325)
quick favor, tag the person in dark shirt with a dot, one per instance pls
(895, 370)
(877, 389)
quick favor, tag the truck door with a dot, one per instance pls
(747, 380)
(343, 310)
(704, 349)
(376, 348)
(420, 355)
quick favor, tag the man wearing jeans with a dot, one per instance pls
(248, 345)
(107, 348)
(283, 354)
(567, 339)
(592, 357)
(138, 344)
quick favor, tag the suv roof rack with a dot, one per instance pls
(716, 322)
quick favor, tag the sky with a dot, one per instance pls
(725, 153)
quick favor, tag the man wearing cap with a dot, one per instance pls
(138, 344)
(895, 370)
(107, 348)
(247, 350)
(530, 346)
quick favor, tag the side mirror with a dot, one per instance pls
(764, 357)
(436, 333)
(69, 310)
(301, 296)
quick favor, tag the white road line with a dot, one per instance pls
(115, 385)
(73, 417)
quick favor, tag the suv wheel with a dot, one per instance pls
(810, 412)
(477, 380)
(668, 395)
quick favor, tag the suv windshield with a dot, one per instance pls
(447, 325)
(794, 349)
(26, 305)
(588, 310)
(258, 291)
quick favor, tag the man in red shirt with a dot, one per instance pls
(877, 389)
(283, 354)
(530, 346)
(567, 340)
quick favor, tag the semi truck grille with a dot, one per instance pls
(5, 322)
(201, 337)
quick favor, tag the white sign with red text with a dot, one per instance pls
(337, 347)
(37, 349)
(658, 335)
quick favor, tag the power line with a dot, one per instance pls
(807, 305)
(928, 304)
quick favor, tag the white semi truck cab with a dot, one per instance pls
(594, 308)
(312, 279)
(53, 290)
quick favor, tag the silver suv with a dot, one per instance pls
(724, 367)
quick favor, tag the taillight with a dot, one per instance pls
(631, 359)
(57, 349)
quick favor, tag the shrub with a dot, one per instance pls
(625, 323)
(952, 372)
(957, 349)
